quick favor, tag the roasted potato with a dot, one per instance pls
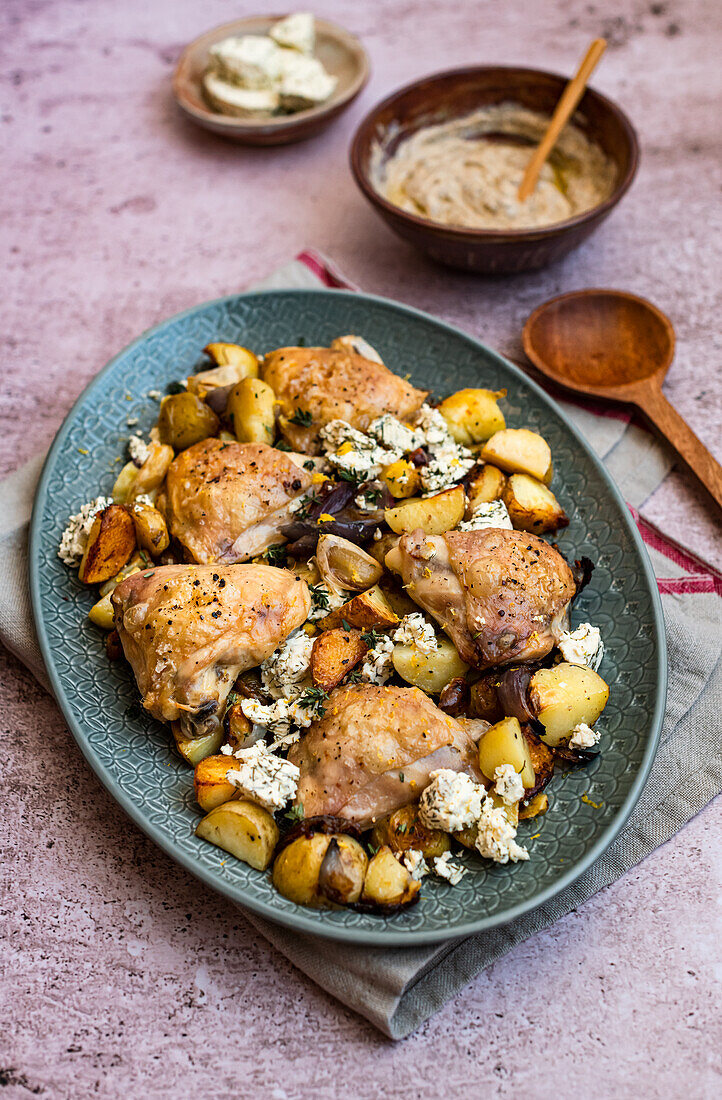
(429, 671)
(345, 566)
(242, 828)
(298, 867)
(233, 355)
(335, 653)
(251, 410)
(473, 415)
(542, 760)
(519, 451)
(102, 614)
(388, 885)
(565, 695)
(467, 837)
(531, 506)
(402, 830)
(366, 611)
(184, 420)
(151, 531)
(504, 743)
(195, 749)
(124, 483)
(537, 806)
(434, 515)
(151, 474)
(485, 484)
(110, 544)
(210, 785)
(401, 478)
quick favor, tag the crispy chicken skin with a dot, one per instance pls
(189, 630)
(225, 502)
(500, 595)
(373, 751)
(334, 384)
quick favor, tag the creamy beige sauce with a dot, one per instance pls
(453, 173)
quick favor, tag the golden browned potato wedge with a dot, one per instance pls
(564, 696)
(251, 409)
(227, 374)
(242, 828)
(542, 759)
(388, 885)
(110, 544)
(343, 565)
(124, 483)
(184, 420)
(485, 485)
(335, 653)
(531, 506)
(342, 871)
(195, 749)
(537, 806)
(402, 830)
(210, 785)
(364, 612)
(233, 355)
(321, 870)
(519, 451)
(434, 515)
(151, 530)
(429, 671)
(401, 478)
(504, 743)
(473, 415)
(152, 473)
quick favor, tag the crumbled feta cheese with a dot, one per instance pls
(444, 868)
(452, 801)
(283, 672)
(369, 497)
(583, 646)
(323, 601)
(432, 425)
(492, 514)
(448, 460)
(264, 778)
(132, 421)
(393, 435)
(145, 498)
(75, 536)
(138, 449)
(352, 451)
(360, 346)
(414, 630)
(496, 835)
(155, 394)
(508, 784)
(278, 717)
(584, 737)
(377, 665)
(295, 32)
(414, 862)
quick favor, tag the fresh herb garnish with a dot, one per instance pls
(302, 417)
(232, 699)
(294, 815)
(276, 554)
(372, 494)
(282, 445)
(401, 780)
(354, 676)
(175, 387)
(319, 597)
(302, 512)
(345, 624)
(348, 475)
(313, 699)
(309, 464)
(144, 558)
(371, 637)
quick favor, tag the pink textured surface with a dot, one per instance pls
(119, 977)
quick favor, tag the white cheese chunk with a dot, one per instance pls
(508, 784)
(241, 102)
(583, 646)
(393, 435)
(138, 449)
(452, 801)
(377, 665)
(496, 835)
(354, 452)
(445, 868)
(295, 32)
(304, 82)
(584, 737)
(414, 862)
(448, 460)
(491, 514)
(283, 672)
(75, 536)
(250, 61)
(414, 630)
(264, 778)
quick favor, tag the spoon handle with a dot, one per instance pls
(666, 418)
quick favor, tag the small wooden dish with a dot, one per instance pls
(342, 55)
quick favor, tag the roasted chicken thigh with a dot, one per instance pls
(500, 595)
(373, 750)
(317, 385)
(189, 630)
(226, 502)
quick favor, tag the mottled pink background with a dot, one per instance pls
(120, 975)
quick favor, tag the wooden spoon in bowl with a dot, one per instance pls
(614, 345)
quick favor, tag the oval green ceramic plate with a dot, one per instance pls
(132, 754)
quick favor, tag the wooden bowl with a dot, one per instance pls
(342, 55)
(453, 94)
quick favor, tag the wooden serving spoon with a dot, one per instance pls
(614, 345)
(562, 113)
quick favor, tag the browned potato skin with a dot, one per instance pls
(531, 506)
(388, 884)
(366, 611)
(519, 451)
(210, 785)
(434, 515)
(485, 484)
(151, 530)
(542, 759)
(537, 806)
(343, 870)
(335, 653)
(152, 472)
(110, 545)
(402, 830)
(297, 870)
(184, 420)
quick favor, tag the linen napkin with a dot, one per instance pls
(397, 989)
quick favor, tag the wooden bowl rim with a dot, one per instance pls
(254, 127)
(363, 135)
